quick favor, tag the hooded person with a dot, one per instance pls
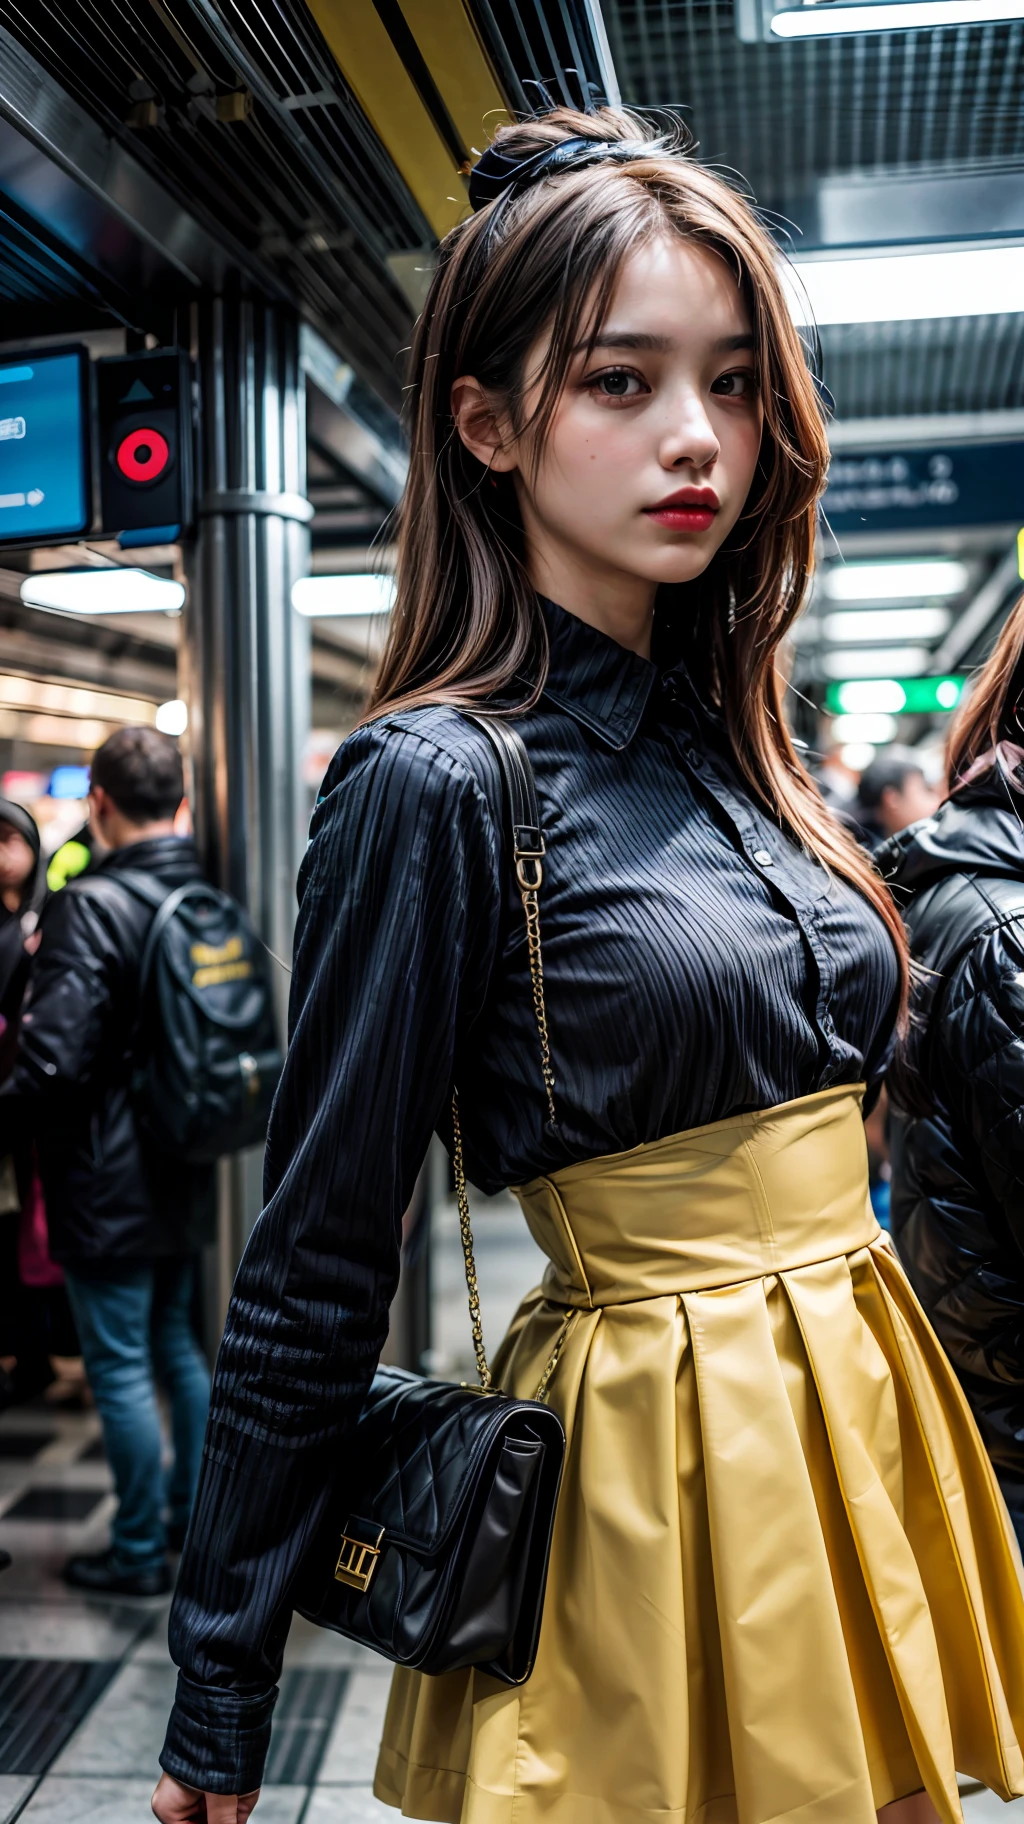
(34, 1319)
(22, 892)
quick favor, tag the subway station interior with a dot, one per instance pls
(218, 221)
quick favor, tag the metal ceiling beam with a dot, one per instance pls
(969, 627)
(288, 119)
(603, 52)
(57, 163)
(921, 429)
(372, 452)
(557, 49)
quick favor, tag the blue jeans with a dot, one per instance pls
(135, 1324)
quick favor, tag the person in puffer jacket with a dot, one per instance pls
(957, 1086)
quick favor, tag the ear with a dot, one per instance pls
(479, 425)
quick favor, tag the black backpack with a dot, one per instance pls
(207, 1058)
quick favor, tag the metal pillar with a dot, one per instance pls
(246, 661)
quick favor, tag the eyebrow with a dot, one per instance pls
(659, 345)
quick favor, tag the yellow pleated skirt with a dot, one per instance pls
(783, 1582)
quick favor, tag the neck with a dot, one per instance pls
(617, 603)
(11, 897)
(126, 833)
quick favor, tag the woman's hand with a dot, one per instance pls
(174, 1803)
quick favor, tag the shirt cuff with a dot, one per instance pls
(216, 1740)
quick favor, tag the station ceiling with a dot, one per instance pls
(787, 115)
(316, 149)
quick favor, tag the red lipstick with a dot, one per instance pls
(687, 510)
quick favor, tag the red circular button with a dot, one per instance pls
(143, 455)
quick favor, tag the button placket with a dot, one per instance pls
(801, 904)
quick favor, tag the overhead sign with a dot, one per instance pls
(45, 490)
(895, 696)
(905, 490)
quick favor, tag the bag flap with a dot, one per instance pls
(420, 1446)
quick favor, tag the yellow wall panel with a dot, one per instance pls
(457, 62)
(387, 96)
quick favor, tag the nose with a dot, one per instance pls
(689, 439)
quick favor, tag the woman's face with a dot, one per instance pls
(654, 442)
(17, 862)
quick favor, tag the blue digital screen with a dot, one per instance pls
(69, 782)
(44, 472)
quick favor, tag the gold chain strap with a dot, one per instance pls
(531, 907)
(568, 1323)
(530, 876)
(469, 1258)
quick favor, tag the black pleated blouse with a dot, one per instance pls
(697, 964)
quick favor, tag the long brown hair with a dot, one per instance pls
(989, 714)
(466, 624)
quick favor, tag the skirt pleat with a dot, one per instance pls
(783, 1586)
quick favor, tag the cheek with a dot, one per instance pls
(578, 459)
(740, 446)
(591, 446)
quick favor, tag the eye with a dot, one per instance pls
(616, 383)
(740, 384)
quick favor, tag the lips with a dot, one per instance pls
(687, 510)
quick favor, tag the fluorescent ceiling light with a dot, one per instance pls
(114, 591)
(886, 624)
(916, 579)
(172, 718)
(877, 662)
(857, 755)
(875, 729)
(821, 21)
(358, 594)
(903, 287)
(869, 698)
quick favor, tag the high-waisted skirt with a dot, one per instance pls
(783, 1582)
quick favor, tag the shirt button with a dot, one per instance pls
(763, 858)
(693, 758)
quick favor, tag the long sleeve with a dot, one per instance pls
(981, 1039)
(400, 908)
(969, 1253)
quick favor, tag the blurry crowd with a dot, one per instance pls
(99, 1235)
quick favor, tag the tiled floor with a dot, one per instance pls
(85, 1684)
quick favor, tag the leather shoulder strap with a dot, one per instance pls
(520, 794)
(528, 859)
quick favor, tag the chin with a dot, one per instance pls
(686, 568)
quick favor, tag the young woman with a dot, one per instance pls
(958, 1154)
(782, 1583)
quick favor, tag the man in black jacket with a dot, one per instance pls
(958, 1095)
(125, 1222)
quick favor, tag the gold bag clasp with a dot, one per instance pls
(358, 1557)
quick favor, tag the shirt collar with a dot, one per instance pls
(594, 679)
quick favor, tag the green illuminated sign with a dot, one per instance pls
(894, 696)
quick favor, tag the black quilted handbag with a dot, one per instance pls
(441, 1558)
